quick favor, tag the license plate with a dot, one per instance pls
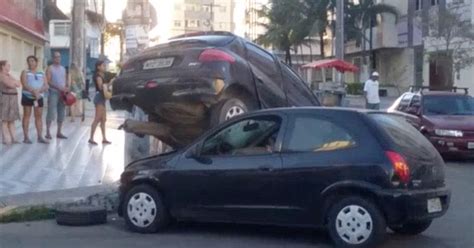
(434, 205)
(157, 63)
(470, 145)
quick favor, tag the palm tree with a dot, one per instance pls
(365, 17)
(287, 26)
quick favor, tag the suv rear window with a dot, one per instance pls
(404, 135)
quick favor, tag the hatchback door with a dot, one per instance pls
(237, 169)
(425, 163)
(320, 151)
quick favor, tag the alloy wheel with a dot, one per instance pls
(233, 112)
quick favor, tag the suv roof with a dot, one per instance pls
(425, 90)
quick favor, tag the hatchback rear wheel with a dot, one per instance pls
(144, 210)
(412, 228)
(355, 222)
(228, 109)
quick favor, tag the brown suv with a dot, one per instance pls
(445, 117)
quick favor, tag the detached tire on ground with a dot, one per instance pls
(144, 210)
(227, 109)
(412, 228)
(81, 216)
(355, 222)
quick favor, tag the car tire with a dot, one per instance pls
(81, 216)
(412, 228)
(227, 109)
(355, 222)
(144, 211)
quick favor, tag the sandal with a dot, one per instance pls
(61, 136)
(106, 142)
(92, 142)
(42, 141)
(48, 136)
(27, 141)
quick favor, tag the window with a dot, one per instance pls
(248, 137)
(262, 59)
(62, 29)
(447, 105)
(416, 101)
(177, 23)
(298, 92)
(419, 4)
(310, 134)
(434, 2)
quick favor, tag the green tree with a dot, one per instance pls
(287, 25)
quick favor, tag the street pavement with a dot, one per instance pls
(63, 164)
(454, 230)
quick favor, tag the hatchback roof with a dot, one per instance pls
(312, 109)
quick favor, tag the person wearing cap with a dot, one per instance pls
(371, 92)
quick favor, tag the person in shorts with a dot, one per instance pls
(32, 98)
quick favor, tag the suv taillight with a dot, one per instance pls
(400, 166)
(212, 55)
(151, 84)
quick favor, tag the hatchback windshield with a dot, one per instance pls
(448, 105)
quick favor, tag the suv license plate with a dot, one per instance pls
(158, 63)
(470, 145)
(434, 205)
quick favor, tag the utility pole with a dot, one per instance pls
(211, 9)
(340, 29)
(78, 51)
(104, 29)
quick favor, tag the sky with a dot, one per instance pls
(113, 8)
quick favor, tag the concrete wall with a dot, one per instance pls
(16, 46)
(396, 67)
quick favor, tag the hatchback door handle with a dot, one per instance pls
(266, 168)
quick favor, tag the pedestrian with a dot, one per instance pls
(76, 86)
(32, 98)
(99, 102)
(371, 92)
(57, 80)
(9, 109)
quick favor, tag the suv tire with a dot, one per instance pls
(354, 221)
(144, 211)
(412, 228)
(227, 109)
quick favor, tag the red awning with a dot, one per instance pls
(339, 65)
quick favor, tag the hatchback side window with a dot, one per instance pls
(309, 134)
(298, 92)
(415, 102)
(247, 137)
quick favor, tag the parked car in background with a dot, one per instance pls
(446, 118)
(354, 173)
(200, 80)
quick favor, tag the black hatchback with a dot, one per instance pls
(353, 172)
(197, 81)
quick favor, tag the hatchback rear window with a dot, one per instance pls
(404, 135)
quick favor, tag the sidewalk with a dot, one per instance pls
(359, 101)
(63, 164)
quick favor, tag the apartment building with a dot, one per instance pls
(401, 46)
(202, 15)
(22, 32)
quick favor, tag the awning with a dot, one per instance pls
(339, 65)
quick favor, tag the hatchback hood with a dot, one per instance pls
(452, 122)
(156, 162)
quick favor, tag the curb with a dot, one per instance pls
(106, 197)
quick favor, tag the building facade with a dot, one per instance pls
(22, 32)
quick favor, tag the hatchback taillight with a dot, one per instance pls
(151, 84)
(212, 55)
(400, 167)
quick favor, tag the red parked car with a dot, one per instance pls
(446, 118)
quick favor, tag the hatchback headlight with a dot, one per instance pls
(449, 133)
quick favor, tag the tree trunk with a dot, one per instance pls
(288, 56)
(371, 58)
(321, 44)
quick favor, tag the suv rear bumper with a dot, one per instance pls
(453, 146)
(401, 206)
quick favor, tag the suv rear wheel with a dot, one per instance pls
(227, 109)
(144, 210)
(355, 222)
(412, 228)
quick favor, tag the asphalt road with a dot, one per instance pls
(454, 230)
